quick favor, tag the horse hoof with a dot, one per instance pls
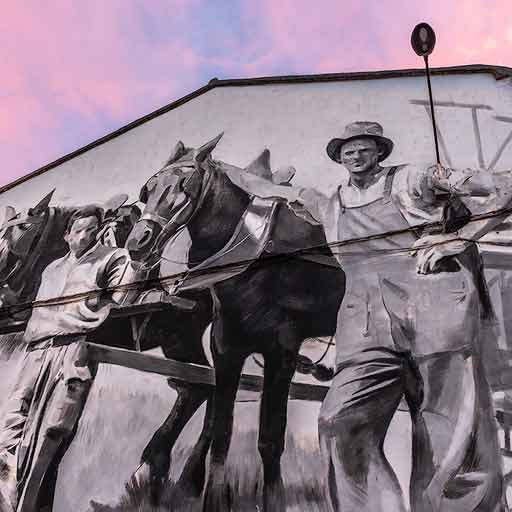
(217, 499)
(141, 477)
(193, 477)
(146, 481)
(274, 499)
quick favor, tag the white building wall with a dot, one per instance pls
(295, 121)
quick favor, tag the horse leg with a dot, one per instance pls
(156, 457)
(228, 368)
(180, 336)
(278, 373)
(193, 475)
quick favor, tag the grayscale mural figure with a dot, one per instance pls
(327, 331)
(55, 376)
(408, 327)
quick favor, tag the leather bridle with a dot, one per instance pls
(165, 224)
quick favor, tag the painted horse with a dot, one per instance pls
(180, 333)
(273, 283)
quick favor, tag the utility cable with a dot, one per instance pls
(174, 279)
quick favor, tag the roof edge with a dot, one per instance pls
(499, 73)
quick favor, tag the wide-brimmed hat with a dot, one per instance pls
(358, 130)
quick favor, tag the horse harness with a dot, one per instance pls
(249, 240)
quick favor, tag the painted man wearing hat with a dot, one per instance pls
(409, 328)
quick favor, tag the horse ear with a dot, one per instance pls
(283, 175)
(204, 152)
(178, 151)
(43, 204)
(143, 194)
(261, 166)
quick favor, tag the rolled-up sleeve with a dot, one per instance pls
(430, 182)
(119, 271)
(422, 193)
(315, 203)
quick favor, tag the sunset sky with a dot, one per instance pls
(74, 71)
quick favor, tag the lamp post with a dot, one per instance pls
(423, 40)
(455, 212)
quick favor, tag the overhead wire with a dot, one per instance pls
(11, 309)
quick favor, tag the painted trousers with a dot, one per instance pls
(39, 423)
(456, 462)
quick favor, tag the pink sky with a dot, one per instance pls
(74, 71)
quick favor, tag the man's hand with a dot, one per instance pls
(430, 249)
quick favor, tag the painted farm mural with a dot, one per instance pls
(221, 337)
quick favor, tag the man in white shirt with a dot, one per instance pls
(56, 374)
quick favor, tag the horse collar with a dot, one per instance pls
(245, 246)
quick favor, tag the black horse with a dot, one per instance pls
(273, 283)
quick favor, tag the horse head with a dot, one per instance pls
(118, 220)
(171, 196)
(118, 225)
(19, 234)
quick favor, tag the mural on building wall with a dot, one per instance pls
(370, 301)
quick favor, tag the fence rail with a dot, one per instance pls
(193, 373)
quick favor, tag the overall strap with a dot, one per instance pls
(388, 184)
(339, 197)
(388, 197)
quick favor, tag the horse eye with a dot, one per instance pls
(180, 186)
(186, 183)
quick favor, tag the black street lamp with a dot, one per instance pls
(455, 213)
(423, 40)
